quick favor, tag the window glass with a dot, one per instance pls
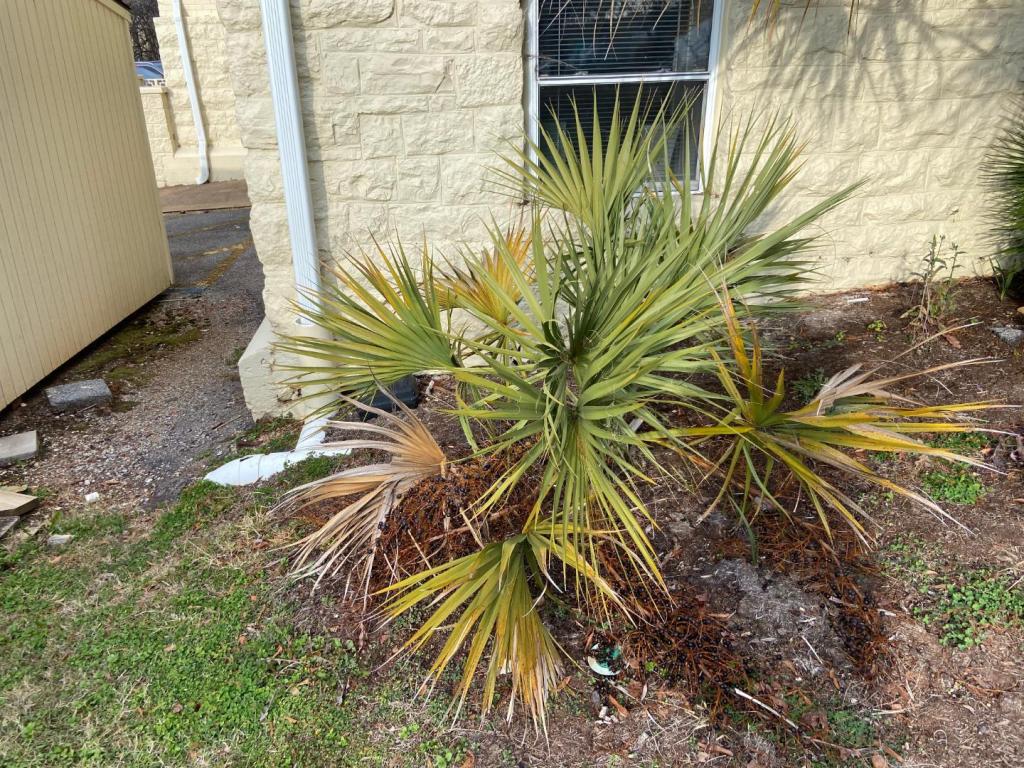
(556, 108)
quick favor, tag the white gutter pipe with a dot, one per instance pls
(291, 143)
(193, 95)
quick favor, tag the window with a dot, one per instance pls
(585, 50)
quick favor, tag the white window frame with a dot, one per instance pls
(709, 77)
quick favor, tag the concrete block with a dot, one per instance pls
(6, 523)
(14, 448)
(1012, 336)
(78, 395)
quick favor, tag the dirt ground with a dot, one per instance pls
(910, 654)
(171, 367)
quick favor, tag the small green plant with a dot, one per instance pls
(836, 341)
(954, 484)
(851, 729)
(937, 294)
(806, 387)
(877, 327)
(438, 755)
(968, 607)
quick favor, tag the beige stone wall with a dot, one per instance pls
(208, 41)
(160, 127)
(910, 100)
(406, 104)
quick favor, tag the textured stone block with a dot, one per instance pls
(373, 39)
(399, 74)
(487, 80)
(361, 179)
(390, 105)
(499, 26)
(321, 14)
(462, 179)
(78, 395)
(239, 15)
(449, 40)
(419, 179)
(434, 133)
(19, 447)
(439, 13)
(495, 126)
(340, 73)
(380, 135)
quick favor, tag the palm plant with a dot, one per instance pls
(1003, 172)
(590, 330)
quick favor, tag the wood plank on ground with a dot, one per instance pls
(16, 503)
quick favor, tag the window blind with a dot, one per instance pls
(622, 37)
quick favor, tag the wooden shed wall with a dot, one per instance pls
(82, 242)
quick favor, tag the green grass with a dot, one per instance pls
(171, 644)
(955, 484)
(265, 436)
(961, 606)
(120, 357)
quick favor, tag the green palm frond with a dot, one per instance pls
(1003, 173)
(487, 604)
(466, 287)
(383, 320)
(619, 309)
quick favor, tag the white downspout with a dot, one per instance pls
(284, 91)
(193, 96)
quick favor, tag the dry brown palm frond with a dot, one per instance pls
(350, 536)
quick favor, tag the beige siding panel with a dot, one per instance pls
(82, 242)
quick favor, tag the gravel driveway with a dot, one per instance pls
(172, 368)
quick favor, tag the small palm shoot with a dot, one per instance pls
(853, 411)
(1003, 172)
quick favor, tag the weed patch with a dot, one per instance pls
(954, 484)
(807, 387)
(971, 605)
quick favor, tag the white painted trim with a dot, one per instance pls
(709, 120)
(532, 84)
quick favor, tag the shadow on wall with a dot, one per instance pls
(907, 96)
